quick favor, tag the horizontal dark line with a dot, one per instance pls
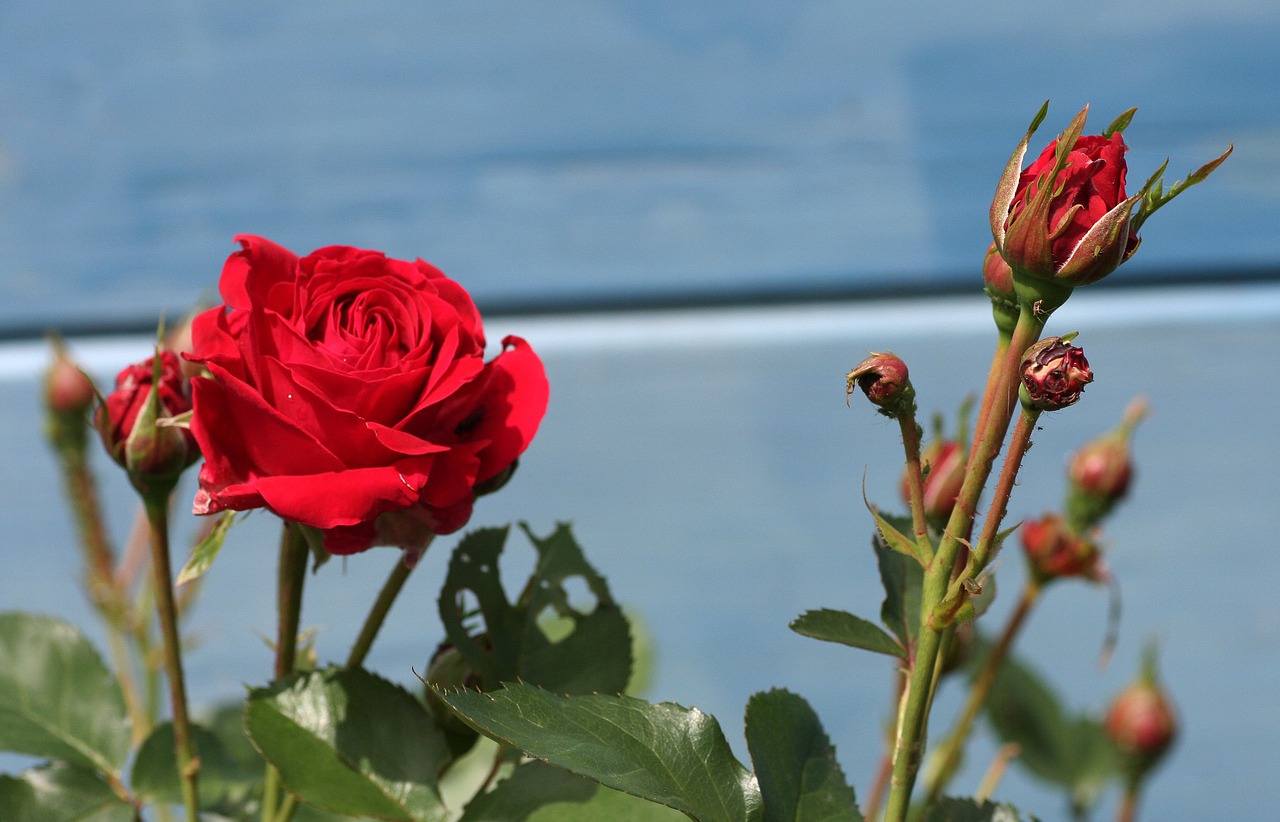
(791, 292)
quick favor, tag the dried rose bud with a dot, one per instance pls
(943, 464)
(127, 420)
(997, 280)
(1101, 471)
(1141, 721)
(1054, 374)
(1054, 551)
(883, 378)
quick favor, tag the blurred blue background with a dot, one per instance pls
(647, 154)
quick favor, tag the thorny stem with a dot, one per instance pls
(157, 506)
(381, 607)
(885, 769)
(910, 741)
(1019, 444)
(292, 574)
(952, 749)
(915, 485)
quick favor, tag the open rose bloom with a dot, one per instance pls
(348, 392)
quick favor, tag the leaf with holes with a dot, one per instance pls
(564, 633)
(57, 698)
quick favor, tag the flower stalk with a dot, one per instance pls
(157, 508)
(381, 607)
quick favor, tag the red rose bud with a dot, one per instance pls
(128, 421)
(997, 278)
(943, 464)
(1054, 551)
(1054, 374)
(1064, 220)
(1100, 472)
(883, 378)
(1141, 721)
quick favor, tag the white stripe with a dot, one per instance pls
(890, 320)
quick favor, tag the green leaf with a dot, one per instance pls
(831, 625)
(225, 784)
(57, 698)
(795, 762)
(350, 742)
(61, 793)
(545, 638)
(903, 580)
(538, 792)
(665, 753)
(203, 555)
(952, 809)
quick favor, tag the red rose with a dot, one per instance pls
(349, 393)
(1066, 218)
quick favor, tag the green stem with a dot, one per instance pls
(952, 749)
(157, 506)
(915, 485)
(292, 573)
(910, 739)
(378, 613)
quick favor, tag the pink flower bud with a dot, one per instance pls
(1054, 374)
(67, 390)
(943, 464)
(1141, 721)
(1101, 471)
(1053, 551)
(127, 420)
(883, 378)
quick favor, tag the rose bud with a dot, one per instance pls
(67, 389)
(1141, 722)
(1054, 551)
(1100, 472)
(883, 378)
(997, 280)
(129, 421)
(942, 462)
(1064, 220)
(1054, 374)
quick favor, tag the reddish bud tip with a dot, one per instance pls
(1054, 374)
(1141, 721)
(67, 390)
(997, 280)
(1054, 551)
(883, 378)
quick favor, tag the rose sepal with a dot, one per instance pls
(1007, 186)
(1153, 196)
